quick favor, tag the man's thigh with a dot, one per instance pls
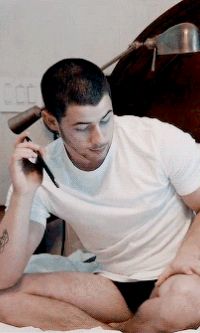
(92, 293)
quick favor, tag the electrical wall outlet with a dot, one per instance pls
(17, 95)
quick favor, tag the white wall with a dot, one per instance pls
(36, 33)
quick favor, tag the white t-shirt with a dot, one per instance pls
(128, 211)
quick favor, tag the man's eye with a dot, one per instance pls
(104, 121)
(81, 128)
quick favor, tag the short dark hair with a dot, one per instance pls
(72, 81)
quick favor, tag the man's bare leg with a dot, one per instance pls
(63, 301)
(21, 310)
(174, 306)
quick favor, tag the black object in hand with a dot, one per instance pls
(42, 163)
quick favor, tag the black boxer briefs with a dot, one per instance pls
(135, 293)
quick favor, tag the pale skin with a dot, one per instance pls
(65, 301)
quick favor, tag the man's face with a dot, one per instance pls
(87, 133)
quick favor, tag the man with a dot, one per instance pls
(129, 187)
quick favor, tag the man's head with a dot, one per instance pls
(72, 81)
(78, 105)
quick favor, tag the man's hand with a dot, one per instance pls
(26, 176)
(180, 265)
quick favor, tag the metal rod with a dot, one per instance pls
(135, 45)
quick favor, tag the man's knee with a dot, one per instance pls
(179, 297)
(180, 284)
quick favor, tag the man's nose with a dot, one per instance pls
(97, 137)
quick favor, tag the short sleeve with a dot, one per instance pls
(39, 210)
(180, 155)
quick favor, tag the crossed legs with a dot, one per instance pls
(63, 301)
(66, 301)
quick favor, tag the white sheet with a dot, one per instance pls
(11, 329)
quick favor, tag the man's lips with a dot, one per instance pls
(98, 149)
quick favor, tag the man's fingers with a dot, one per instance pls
(21, 137)
(164, 276)
(171, 271)
(167, 273)
(25, 148)
(21, 142)
(161, 280)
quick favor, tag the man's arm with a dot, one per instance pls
(19, 237)
(17, 244)
(187, 260)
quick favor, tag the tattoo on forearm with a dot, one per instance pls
(3, 240)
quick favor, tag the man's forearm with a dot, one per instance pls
(191, 243)
(14, 231)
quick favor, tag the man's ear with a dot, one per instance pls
(50, 121)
